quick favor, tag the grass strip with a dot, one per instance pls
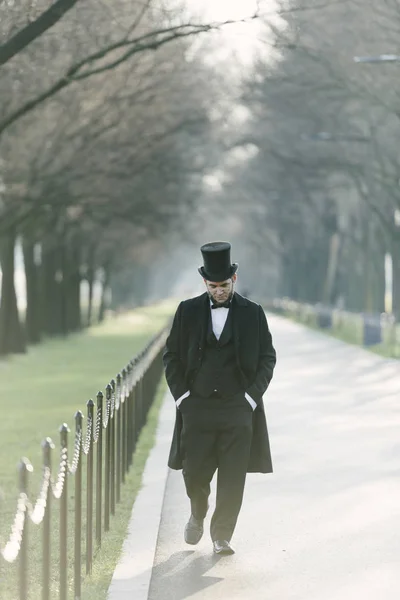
(351, 332)
(40, 391)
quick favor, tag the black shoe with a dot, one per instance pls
(223, 547)
(194, 531)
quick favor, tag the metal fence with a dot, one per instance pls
(108, 442)
(367, 329)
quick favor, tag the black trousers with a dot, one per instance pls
(216, 434)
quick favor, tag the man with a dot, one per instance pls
(219, 360)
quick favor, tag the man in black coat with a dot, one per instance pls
(219, 360)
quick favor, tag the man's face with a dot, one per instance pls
(220, 291)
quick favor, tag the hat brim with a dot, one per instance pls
(221, 276)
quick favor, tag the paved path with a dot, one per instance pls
(326, 524)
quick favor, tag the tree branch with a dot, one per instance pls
(150, 41)
(35, 29)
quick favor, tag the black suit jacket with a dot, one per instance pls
(255, 356)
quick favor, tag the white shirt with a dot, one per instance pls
(218, 318)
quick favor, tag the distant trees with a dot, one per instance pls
(102, 141)
(326, 167)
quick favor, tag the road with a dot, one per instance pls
(326, 524)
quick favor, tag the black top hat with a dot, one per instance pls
(217, 262)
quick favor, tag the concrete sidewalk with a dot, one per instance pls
(325, 525)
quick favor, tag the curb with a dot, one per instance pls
(132, 575)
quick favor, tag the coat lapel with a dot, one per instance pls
(239, 307)
(204, 318)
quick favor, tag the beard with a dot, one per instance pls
(227, 299)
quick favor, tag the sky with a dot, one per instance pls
(242, 40)
(235, 47)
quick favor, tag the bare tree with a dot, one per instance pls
(326, 139)
(117, 156)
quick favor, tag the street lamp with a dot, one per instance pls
(381, 58)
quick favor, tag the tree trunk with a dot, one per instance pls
(73, 282)
(52, 303)
(367, 266)
(11, 332)
(396, 277)
(330, 275)
(32, 317)
(91, 270)
(104, 289)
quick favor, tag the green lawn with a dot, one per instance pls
(43, 389)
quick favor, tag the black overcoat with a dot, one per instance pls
(255, 357)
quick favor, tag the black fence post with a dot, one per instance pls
(148, 396)
(137, 402)
(99, 466)
(139, 405)
(144, 396)
(112, 425)
(25, 467)
(78, 508)
(89, 487)
(107, 465)
(131, 419)
(118, 407)
(124, 428)
(64, 430)
(47, 448)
